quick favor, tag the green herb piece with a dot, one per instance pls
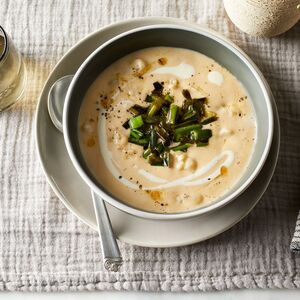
(195, 135)
(155, 160)
(142, 142)
(136, 133)
(198, 105)
(155, 106)
(149, 99)
(160, 148)
(205, 135)
(166, 158)
(126, 124)
(151, 120)
(146, 153)
(136, 122)
(137, 110)
(186, 123)
(165, 110)
(191, 112)
(182, 132)
(153, 138)
(162, 133)
(169, 98)
(202, 144)
(209, 117)
(172, 114)
(181, 147)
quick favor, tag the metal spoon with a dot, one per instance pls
(110, 249)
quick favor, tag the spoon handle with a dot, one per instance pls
(110, 249)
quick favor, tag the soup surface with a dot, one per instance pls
(193, 178)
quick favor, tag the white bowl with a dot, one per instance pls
(204, 41)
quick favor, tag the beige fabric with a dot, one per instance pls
(295, 244)
(44, 247)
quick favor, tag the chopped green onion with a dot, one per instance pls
(209, 117)
(136, 133)
(151, 120)
(136, 122)
(160, 148)
(162, 133)
(165, 110)
(189, 114)
(137, 110)
(182, 147)
(189, 122)
(133, 111)
(202, 144)
(185, 131)
(169, 98)
(153, 138)
(149, 98)
(126, 124)
(198, 105)
(205, 134)
(141, 142)
(200, 135)
(146, 153)
(155, 160)
(186, 103)
(195, 134)
(155, 106)
(166, 158)
(172, 114)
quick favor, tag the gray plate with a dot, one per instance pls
(62, 176)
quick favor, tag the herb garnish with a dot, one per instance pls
(163, 126)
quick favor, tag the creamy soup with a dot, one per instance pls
(194, 177)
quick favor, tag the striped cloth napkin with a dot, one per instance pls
(44, 247)
(295, 244)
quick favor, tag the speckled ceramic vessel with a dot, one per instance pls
(263, 17)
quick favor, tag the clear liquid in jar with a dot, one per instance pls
(12, 75)
(1, 45)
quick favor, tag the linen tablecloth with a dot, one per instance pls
(43, 247)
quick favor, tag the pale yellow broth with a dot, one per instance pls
(128, 80)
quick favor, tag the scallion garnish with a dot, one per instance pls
(181, 147)
(153, 138)
(136, 122)
(172, 114)
(163, 126)
(136, 133)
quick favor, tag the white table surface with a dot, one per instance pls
(227, 295)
